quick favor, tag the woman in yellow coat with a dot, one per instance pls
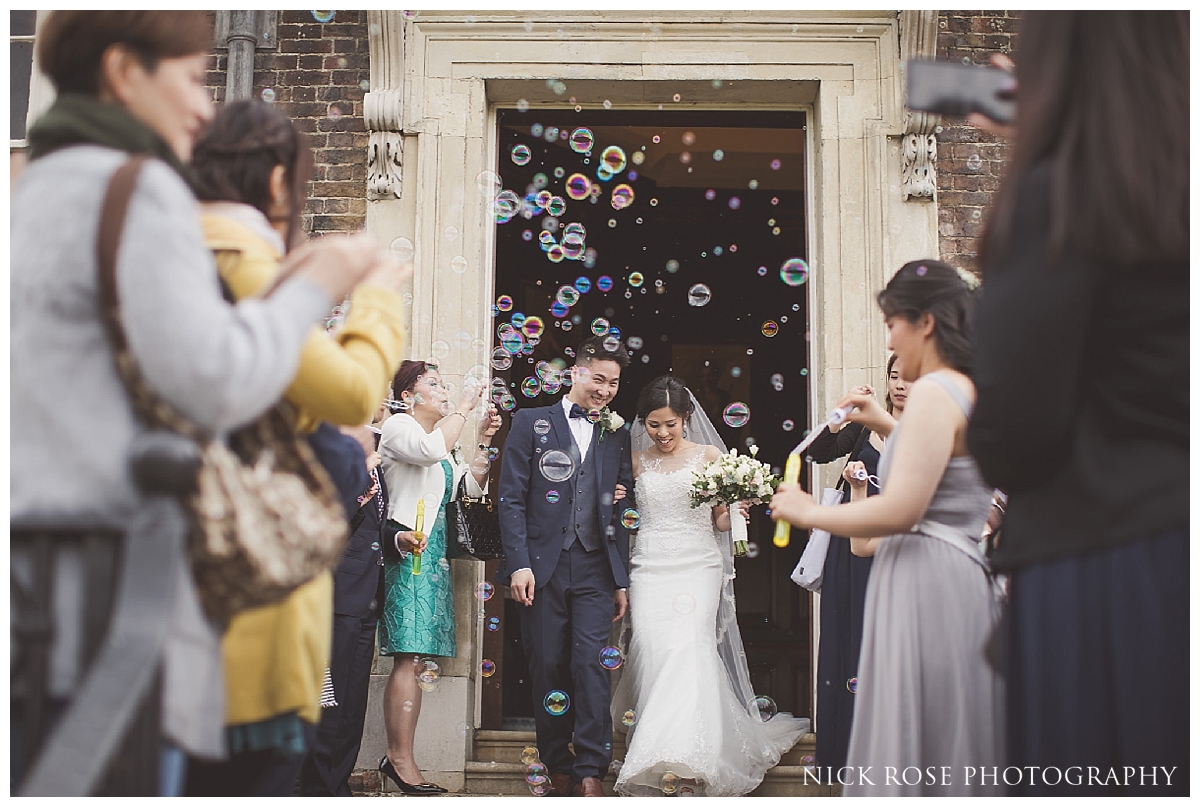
(250, 170)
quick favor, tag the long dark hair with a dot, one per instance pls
(938, 289)
(1104, 96)
(668, 391)
(887, 398)
(233, 159)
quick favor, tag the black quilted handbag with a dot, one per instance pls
(473, 526)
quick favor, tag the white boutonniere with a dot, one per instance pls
(608, 420)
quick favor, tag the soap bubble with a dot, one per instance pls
(622, 197)
(788, 425)
(440, 349)
(776, 165)
(630, 519)
(403, 249)
(521, 154)
(600, 326)
(765, 707)
(530, 755)
(699, 295)
(777, 382)
(556, 702)
(582, 140)
(611, 343)
(583, 285)
(684, 603)
(323, 16)
(501, 359)
(493, 623)
(429, 674)
(613, 158)
(669, 782)
(567, 295)
(488, 183)
(685, 157)
(556, 206)
(537, 129)
(504, 302)
(522, 105)
(852, 685)
(734, 203)
(458, 264)
(974, 162)
(634, 342)
(556, 466)
(672, 266)
(552, 496)
(718, 155)
(688, 138)
(629, 718)
(578, 186)
(710, 194)
(611, 658)
(604, 283)
(737, 414)
(794, 271)
(637, 158)
(753, 184)
(484, 591)
(770, 328)
(268, 95)
(751, 549)
(487, 668)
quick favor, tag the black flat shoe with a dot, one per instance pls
(423, 789)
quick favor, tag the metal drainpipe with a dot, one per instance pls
(239, 78)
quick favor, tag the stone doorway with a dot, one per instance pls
(686, 233)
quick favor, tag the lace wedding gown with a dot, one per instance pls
(687, 719)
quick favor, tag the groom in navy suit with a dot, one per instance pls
(566, 558)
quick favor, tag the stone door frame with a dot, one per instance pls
(437, 78)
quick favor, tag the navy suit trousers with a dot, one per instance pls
(563, 633)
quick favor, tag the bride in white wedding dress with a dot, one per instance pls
(694, 724)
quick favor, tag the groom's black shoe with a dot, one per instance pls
(560, 784)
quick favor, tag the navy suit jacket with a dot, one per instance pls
(532, 528)
(357, 579)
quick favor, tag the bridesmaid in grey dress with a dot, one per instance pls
(929, 719)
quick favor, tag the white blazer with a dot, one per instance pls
(412, 469)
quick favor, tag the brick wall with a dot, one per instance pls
(970, 161)
(318, 76)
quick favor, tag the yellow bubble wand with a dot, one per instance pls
(416, 564)
(791, 471)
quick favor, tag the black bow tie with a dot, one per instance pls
(578, 411)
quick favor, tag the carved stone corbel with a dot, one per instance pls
(383, 106)
(918, 171)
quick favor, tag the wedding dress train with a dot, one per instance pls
(689, 718)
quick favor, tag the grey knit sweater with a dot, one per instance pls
(221, 365)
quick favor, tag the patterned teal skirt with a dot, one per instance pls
(418, 610)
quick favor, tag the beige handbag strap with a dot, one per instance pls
(152, 409)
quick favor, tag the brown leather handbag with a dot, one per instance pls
(265, 514)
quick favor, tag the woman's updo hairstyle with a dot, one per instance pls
(947, 294)
(234, 157)
(665, 391)
(407, 376)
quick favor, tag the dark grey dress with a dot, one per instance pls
(926, 696)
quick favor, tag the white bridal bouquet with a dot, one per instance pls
(734, 478)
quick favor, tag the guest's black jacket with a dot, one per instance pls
(1082, 376)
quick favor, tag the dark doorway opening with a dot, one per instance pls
(685, 252)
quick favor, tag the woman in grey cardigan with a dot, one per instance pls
(132, 82)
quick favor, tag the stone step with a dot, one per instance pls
(497, 768)
(506, 746)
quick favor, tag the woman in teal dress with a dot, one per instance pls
(420, 464)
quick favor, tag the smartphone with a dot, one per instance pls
(948, 88)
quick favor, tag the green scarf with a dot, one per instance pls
(75, 119)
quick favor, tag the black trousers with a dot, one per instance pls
(1098, 651)
(327, 769)
(250, 773)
